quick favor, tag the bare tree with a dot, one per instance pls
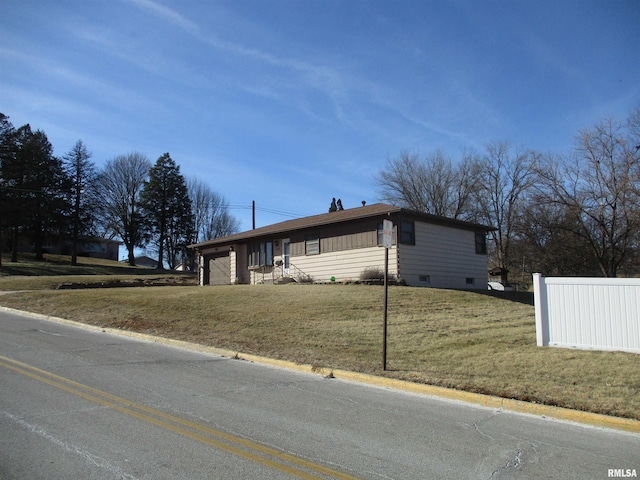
(120, 183)
(633, 124)
(545, 242)
(433, 184)
(600, 186)
(506, 178)
(211, 211)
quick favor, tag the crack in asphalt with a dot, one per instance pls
(478, 423)
(514, 464)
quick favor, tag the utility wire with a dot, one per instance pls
(271, 210)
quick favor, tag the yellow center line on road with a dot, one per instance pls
(224, 441)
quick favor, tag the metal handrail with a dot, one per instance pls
(294, 272)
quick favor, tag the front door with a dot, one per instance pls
(286, 254)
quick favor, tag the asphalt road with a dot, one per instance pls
(81, 404)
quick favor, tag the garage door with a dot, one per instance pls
(219, 270)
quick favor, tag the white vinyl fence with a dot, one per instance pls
(588, 313)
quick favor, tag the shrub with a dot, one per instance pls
(305, 279)
(375, 276)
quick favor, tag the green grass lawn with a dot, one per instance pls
(465, 340)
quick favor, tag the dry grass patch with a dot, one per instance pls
(56, 271)
(464, 340)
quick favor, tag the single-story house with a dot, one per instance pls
(97, 248)
(94, 247)
(428, 250)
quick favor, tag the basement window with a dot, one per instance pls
(471, 281)
(426, 279)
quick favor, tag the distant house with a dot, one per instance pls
(146, 262)
(98, 248)
(428, 250)
(94, 247)
(183, 267)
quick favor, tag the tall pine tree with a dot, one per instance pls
(37, 189)
(7, 151)
(82, 174)
(168, 211)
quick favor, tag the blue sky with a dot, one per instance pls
(293, 102)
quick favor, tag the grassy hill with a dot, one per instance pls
(466, 340)
(57, 272)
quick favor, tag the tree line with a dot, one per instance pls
(46, 199)
(576, 213)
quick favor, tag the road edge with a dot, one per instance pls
(490, 401)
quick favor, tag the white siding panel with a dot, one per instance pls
(447, 255)
(233, 266)
(344, 265)
(262, 275)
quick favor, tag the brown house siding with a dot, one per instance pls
(339, 238)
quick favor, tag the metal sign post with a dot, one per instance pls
(387, 242)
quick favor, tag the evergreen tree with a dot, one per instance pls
(36, 187)
(7, 151)
(168, 211)
(333, 207)
(82, 174)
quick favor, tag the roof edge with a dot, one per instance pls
(357, 213)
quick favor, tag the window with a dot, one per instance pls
(312, 245)
(425, 279)
(481, 243)
(407, 232)
(260, 254)
(470, 281)
(268, 259)
(253, 255)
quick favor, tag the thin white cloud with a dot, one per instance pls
(167, 14)
(321, 78)
(343, 91)
(60, 73)
(350, 97)
(29, 102)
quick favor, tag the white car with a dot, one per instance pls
(500, 287)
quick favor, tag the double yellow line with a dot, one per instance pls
(242, 447)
